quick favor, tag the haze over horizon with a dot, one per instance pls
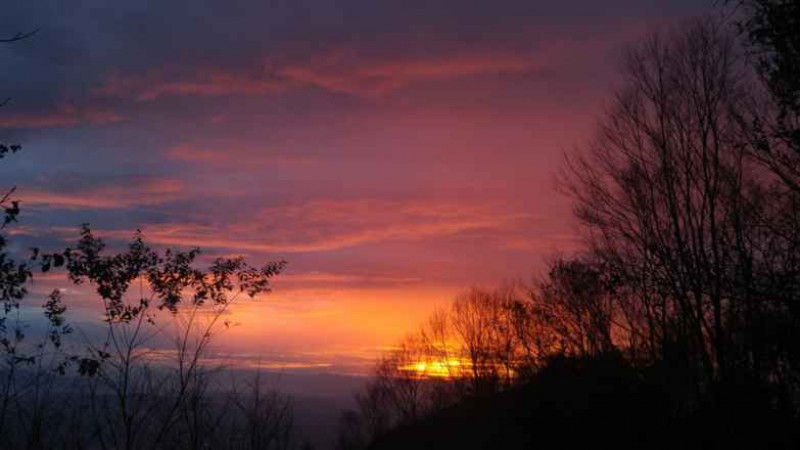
(394, 152)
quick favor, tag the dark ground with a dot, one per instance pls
(594, 404)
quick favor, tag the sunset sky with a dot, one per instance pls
(393, 152)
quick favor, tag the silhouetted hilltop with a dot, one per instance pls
(595, 403)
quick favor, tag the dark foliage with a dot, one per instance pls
(677, 326)
(592, 402)
(771, 27)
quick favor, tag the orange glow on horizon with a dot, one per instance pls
(439, 368)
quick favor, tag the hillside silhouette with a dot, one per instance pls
(593, 402)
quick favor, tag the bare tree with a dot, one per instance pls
(268, 418)
(127, 394)
(674, 207)
(136, 401)
(577, 309)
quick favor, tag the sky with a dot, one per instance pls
(394, 152)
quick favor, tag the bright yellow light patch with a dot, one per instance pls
(442, 368)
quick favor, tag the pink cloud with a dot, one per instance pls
(229, 153)
(379, 77)
(64, 115)
(204, 83)
(151, 192)
(322, 226)
(347, 70)
(327, 72)
(185, 152)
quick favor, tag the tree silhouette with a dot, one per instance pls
(113, 393)
(685, 293)
(669, 198)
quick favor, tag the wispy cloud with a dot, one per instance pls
(229, 154)
(62, 115)
(339, 71)
(329, 278)
(124, 194)
(323, 226)
(205, 83)
(344, 69)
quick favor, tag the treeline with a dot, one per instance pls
(141, 379)
(688, 198)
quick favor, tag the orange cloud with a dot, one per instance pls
(333, 279)
(107, 197)
(293, 317)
